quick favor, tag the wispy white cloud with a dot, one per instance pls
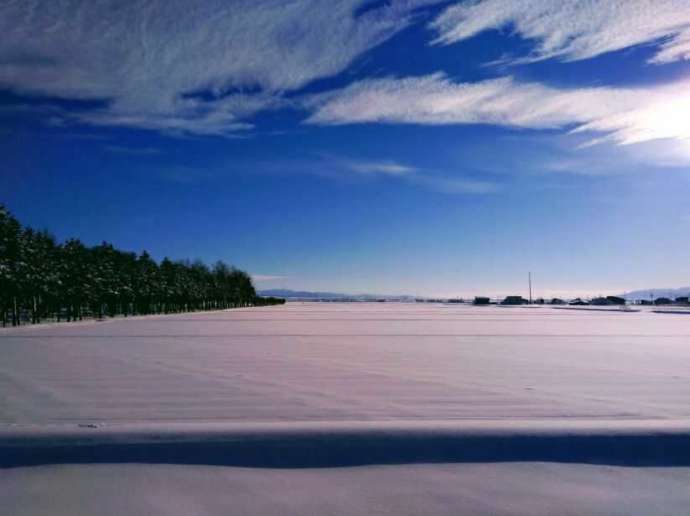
(623, 115)
(338, 168)
(426, 179)
(575, 29)
(387, 168)
(643, 158)
(185, 67)
(456, 185)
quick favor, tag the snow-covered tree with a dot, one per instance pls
(41, 278)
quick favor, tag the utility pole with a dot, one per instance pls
(530, 287)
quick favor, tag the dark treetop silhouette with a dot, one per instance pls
(41, 278)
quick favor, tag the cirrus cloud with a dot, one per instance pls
(575, 29)
(429, 180)
(622, 115)
(182, 66)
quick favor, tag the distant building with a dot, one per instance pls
(514, 300)
(608, 300)
(578, 302)
(615, 300)
(482, 301)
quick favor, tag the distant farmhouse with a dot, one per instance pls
(607, 301)
(514, 300)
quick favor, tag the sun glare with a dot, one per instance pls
(667, 118)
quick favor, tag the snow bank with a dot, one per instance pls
(473, 489)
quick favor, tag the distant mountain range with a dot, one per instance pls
(671, 293)
(302, 294)
(305, 294)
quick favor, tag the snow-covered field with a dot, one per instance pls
(357, 362)
(505, 396)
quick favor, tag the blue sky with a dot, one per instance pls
(418, 146)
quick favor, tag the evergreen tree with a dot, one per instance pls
(41, 278)
(10, 231)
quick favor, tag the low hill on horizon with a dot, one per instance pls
(302, 294)
(305, 294)
(656, 292)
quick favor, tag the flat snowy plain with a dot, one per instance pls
(368, 408)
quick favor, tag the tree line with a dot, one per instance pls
(41, 278)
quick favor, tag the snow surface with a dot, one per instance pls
(349, 362)
(527, 489)
(396, 390)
